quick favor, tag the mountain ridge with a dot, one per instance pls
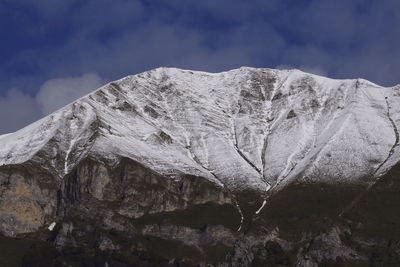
(249, 158)
(178, 148)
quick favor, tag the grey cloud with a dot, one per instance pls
(120, 38)
(156, 44)
(17, 110)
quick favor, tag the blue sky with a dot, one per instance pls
(54, 51)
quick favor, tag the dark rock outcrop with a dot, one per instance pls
(127, 215)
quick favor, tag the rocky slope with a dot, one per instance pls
(250, 167)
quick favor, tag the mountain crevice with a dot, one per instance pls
(263, 153)
(397, 137)
(234, 198)
(241, 154)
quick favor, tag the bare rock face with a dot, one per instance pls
(27, 200)
(250, 167)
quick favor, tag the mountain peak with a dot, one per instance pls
(244, 128)
(251, 163)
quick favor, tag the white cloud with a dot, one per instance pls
(18, 109)
(56, 93)
(309, 69)
(314, 70)
(284, 67)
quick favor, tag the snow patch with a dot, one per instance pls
(51, 226)
(262, 206)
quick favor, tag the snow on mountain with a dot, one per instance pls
(247, 128)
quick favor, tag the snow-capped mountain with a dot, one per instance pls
(256, 128)
(249, 132)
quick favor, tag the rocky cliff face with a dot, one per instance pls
(251, 167)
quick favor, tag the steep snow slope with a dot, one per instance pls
(248, 128)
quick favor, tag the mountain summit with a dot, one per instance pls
(228, 168)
